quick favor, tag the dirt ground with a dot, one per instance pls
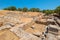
(7, 35)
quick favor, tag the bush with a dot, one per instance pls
(13, 8)
(34, 10)
(57, 10)
(47, 12)
(19, 9)
(25, 9)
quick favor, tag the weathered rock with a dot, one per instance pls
(5, 27)
(24, 35)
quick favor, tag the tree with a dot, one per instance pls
(37, 10)
(19, 9)
(5, 9)
(25, 9)
(57, 10)
(47, 12)
(44, 11)
(34, 10)
(13, 8)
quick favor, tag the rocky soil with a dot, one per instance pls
(15, 25)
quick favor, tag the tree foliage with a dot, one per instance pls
(19, 9)
(57, 10)
(25, 9)
(47, 12)
(5, 9)
(34, 10)
(13, 8)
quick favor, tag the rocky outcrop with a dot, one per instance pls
(25, 26)
(5, 27)
(24, 35)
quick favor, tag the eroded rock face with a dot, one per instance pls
(53, 28)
